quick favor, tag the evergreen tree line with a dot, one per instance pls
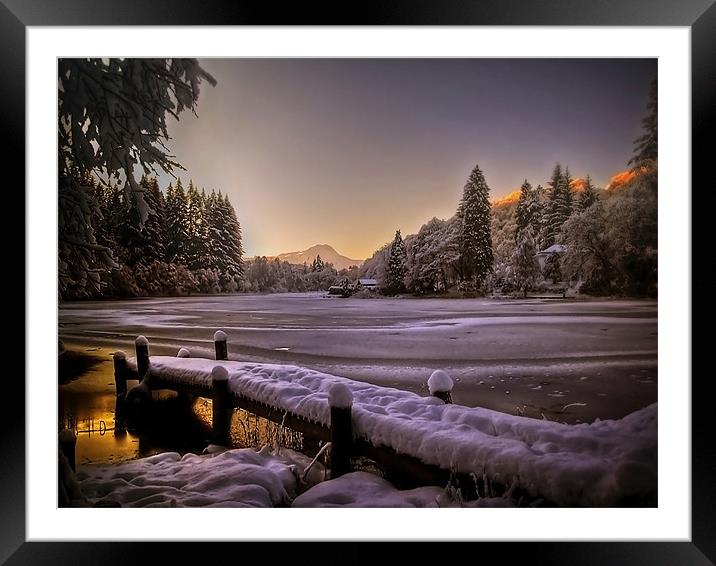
(602, 241)
(265, 275)
(182, 242)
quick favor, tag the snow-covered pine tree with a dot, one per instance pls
(553, 268)
(559, 206)
(397, 266)
(589, 195)
(145, 242)
(474, 211)
(205, 251)
(177, 225)
(644, 162)
(529, 209)
(82, 260)
(111, 111)
(232, 270)
(109, 202)
(196, 228)
(216, 229)
(525, 269)
(567, 195)
(318, 264)
(646, 146)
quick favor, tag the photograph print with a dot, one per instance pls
(370, 282)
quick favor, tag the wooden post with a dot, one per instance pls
(139, 399)
(440, 385)
(120, 387)
(120, 373)
(141, 345)
(340, 400)
(221, 407)
(68, 442)
(222, 351)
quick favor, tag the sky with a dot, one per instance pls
(346, 151)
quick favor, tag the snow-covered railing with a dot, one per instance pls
(605, 463)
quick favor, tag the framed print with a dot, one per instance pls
(406, 260)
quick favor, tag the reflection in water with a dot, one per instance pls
(87, 405)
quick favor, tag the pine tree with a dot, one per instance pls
(559, 206)
(82, 261)
(215, 247)
(232, 270)
(197, 228)
(529, 209)
(144, 242)
(646, 146)
(397, 266)
(112, 118)
(177, 225)
(525, 269)
(567, 195)
(109, 201)
(589, 195)
(553, 267)
(476, 256)
(318, 264)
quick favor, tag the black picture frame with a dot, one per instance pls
(699, 15)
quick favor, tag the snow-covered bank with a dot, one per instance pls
(361, 489)
(234, 478)
(600, 464)
(248, 478)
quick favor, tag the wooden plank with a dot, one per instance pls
(404, 469)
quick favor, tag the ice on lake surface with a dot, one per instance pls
(486, 345)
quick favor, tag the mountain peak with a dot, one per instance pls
(326, 251)
(509, 199)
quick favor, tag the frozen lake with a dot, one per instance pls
(563, 360)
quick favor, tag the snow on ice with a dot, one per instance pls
(598, 464)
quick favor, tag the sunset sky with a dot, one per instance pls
(346, 151)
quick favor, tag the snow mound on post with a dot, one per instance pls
(219, 336)
(340, 396)
(219, 373)
(141, 341)
(119, 354)
(183, 353)
(606, 463)
(439, 381)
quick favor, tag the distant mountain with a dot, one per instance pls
(620, 179)
(508, 200)
(327, 253)
(577, 185)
